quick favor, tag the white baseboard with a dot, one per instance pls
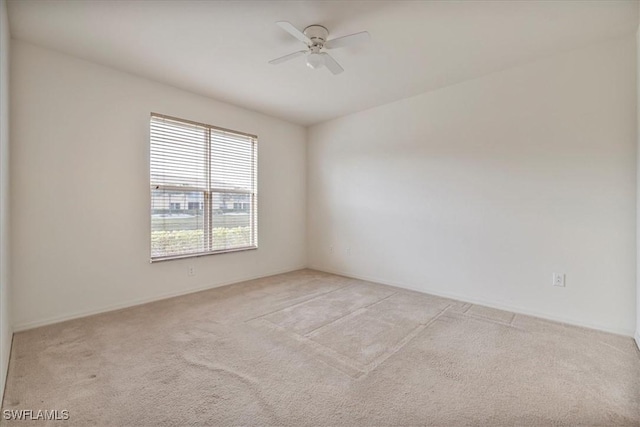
(5, 369)
(487, 303)
(131, 303)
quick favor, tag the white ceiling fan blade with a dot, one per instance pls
(331, 64)
(349, 40)
(289, 28)
(287, 57)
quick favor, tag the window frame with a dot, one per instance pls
(207, 194)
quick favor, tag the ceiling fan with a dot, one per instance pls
(315, 37)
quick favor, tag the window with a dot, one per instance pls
(203, 189)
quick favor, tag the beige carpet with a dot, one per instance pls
(308, 348)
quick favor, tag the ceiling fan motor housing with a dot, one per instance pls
(317, 33)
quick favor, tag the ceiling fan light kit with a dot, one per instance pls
(316, 39)
(315, 60)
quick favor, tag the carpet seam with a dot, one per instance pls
(296, 304)
(320, 350)
(404, 341)
(346, 316)
(487, 319)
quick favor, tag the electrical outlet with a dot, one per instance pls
(331, 249)
(191, 271)
(558, 279)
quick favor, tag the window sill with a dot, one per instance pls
(201, 254)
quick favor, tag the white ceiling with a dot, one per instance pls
(221, 49)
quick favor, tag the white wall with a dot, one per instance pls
(6, 330)
(637, 334)
(482, 190)
(80, 189)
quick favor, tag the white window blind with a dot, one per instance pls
(203, 189)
